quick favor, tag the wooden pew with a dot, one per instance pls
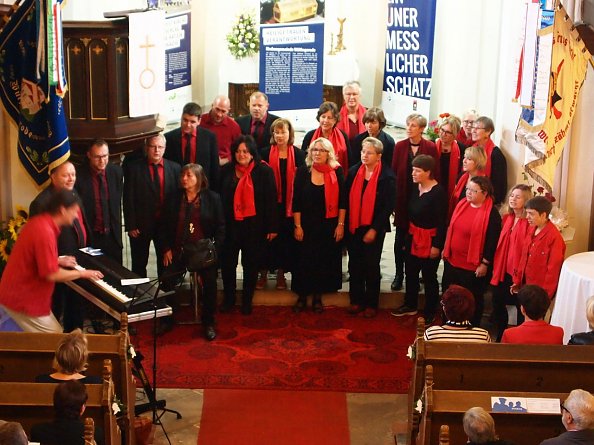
(447, 407)
(31, 403)
(23, 356)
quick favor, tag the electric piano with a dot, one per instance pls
(113, 298)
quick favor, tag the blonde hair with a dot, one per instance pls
(526, 194)
(590, 311)
(478, 155)
(72, 353)
(326, 145)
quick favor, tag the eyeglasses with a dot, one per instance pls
(156, 147)
(564, 409)
(468, 122)
(98, 157)
(319, 150)
(473, 192)
(446, 132)
(474, 127)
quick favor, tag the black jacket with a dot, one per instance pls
(245, 124)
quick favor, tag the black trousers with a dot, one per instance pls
(400, 249)
(428, 267)
(108, 245)
(467, 279)
(364, 268)
(68, 305)
(139, 250)
(501, 298)
(208, 280)
(237, 239)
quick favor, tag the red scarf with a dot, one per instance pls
(478, 233)
(362, 204)
(339, 144)
(489, 146)
(330, 189)
(460, 185)
(274, 159)
(244, 204)
(509, 244)
(463, 139)
(454, 166)
(421, 240)
(343, 123)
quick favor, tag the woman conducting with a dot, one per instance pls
(284, 159)
(319, 210)
(250, 208)
(198, 214)
(470, 243)
(371, 190)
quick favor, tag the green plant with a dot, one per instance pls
(244, 39)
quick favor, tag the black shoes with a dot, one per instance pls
(404, 310)
(300, 305)
(397, 283)
(210, 333)
(317, 305)
(225, 308)
(246, 309)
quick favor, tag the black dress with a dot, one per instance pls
(319, 263)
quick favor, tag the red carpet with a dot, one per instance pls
(276, 349)
(273, 418)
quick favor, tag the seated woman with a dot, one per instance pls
(458, 307)
(67, 428)
(534, 303)
(585, 338)
(70, 361)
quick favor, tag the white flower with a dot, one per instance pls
(115, 408)
(419, 407)
(132, 351)
(409, 353)
(252, 45)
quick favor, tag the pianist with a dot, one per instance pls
(34, 267)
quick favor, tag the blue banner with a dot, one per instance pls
(291, 65)
(26, 92)
(409, 58)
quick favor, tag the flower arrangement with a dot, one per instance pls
(244, 39)
(433, 127)
(9, 232)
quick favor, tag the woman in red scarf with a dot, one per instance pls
(351, 113)
(451, 153)
(427, 208)
(371, 189)
(464, 135)
(473, 164)
(471, 241)
(496, 167)
(249, 200)
(284, 159)
(509, 247)
(319, 210)
(328, 117)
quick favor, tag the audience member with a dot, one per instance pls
(404, 152)
(543, 249)
(586, 338)
(473, 164)
(258, 122)
(375, 122)
(67, 428)
(34, 267)
(534, 303)
(12, 433)
(319, 211)
(328, 117)
(284, 159)
(66, 303)
(479, 426)
(192, 144)
(471, 241)
(450, 153)
(464, 136)
(351, 112)
(249, 200)
(70, 361)
(225, 129)
(150, 185)
(427, 210)
(371, 189)
(509, 247)
(100, 184)
(496, 167)
(577, 415)
(458, 307)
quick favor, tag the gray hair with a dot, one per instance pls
(580, 405)
(327, 145)
(351, 84)
(375, 143)
(418, 118)
(479, 426)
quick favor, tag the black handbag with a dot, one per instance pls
(199, 255)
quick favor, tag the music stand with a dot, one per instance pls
(153, 404)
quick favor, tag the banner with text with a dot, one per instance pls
(291, 65)
(409, 59)
(178, 70)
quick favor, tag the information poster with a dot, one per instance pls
(291, 65)
(178, 80)
(409, 59)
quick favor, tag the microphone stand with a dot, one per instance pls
(151, 392)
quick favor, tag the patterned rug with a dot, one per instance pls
(276, 349)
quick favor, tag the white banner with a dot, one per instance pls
(146, 63)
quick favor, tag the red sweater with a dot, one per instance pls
(537, 332)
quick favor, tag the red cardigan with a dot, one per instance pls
(403, 174)
(541, 259)
(537, 332)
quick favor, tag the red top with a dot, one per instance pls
(24, 287)
(537, 332)
(226, 132)
(461, 238)
(509, 247)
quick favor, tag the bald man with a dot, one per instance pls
(259, 121)
(225, 129)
